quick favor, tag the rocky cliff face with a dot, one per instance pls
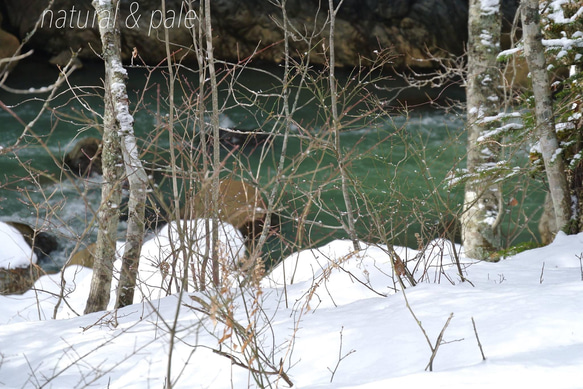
(242, 27)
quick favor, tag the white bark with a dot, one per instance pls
(481, 214)
(551, 153)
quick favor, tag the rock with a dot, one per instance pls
(18, 269)
(85, 157)
(18, 280)
(16, 252)
(235, 137)
(63, 58)
(42, 243)
(241, 205)
(252, 230)
(9, 45)
(22, 249)
(250, 27)
(83, 257)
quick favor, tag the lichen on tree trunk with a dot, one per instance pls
(549, 144)
(108, 213)
(480, 217)
(120, 149)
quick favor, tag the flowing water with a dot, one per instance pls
(398, 163)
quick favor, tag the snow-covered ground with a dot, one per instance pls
(327, 318)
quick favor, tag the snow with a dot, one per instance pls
(499, 130)
(486, 38)
(565, 43)
(486, 80)
(501, 116)
(490, 7)
(327, 314)
(557, 15)
(15, 252)
(556, 154)
(509, 52)
(559, 127)
(153, 281)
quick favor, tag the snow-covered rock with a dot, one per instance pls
(156, 279)
(14, 251)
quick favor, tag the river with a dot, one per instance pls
(398, 161)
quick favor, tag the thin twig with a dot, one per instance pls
(340, 357)
(15, 57)
(63, 75)
(236, 361)
(478, 339)
(438, 343)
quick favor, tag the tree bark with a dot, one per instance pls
(549, 144)
(115, 75)
(108, 213)
(482, 200)
(119, 127)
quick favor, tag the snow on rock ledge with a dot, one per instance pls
(15, 252)
(16, 258)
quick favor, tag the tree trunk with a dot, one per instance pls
(135, 173)
(482, 201)
(108, 213)
(554, 165)
(547, 225)
(119, 126)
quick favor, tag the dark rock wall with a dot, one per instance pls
(241, 27)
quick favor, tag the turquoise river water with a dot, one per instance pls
(398, 162)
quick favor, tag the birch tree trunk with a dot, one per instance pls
(119, 127)
(108, 213)
(549, 144)
(482, 199)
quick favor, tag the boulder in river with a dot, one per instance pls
(9, 45)
(245, 139)
(84, 257)
(85, 157)
(42, 242)
(240, 204)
